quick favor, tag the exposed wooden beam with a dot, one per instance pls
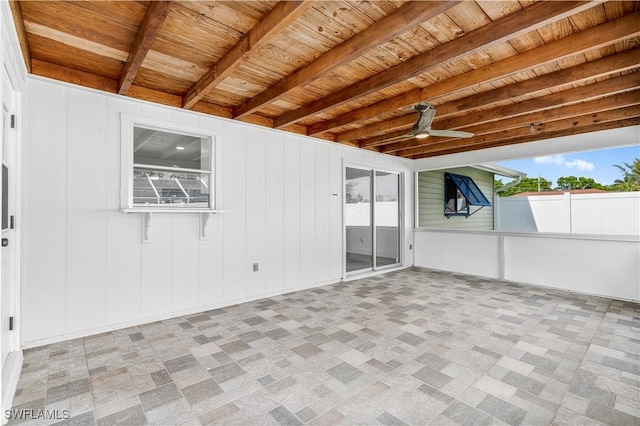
(281, 16)
(512, 26)
(403, 19)
(574, 123)
(212, 109)
(579, 74)
(604, 34)
(485, 120)
(157, 12)
(81, 78)
(612, 64)
(537, 119)
(16, 11)
(536, 137)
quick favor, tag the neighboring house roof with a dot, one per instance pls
(559, 192)
(499, 170)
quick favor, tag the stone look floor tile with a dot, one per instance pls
(407, 347)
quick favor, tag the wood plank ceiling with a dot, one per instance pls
(345, 71)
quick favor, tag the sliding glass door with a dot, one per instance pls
(359, 219)
(387, 218)
(372, 219)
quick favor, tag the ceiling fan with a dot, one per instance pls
(422, 129)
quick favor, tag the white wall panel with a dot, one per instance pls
(335, 212)
(86, 268)
(274, 215)
(464, 252)
(157, 112)
(255, 224)
(323, 213)
(124, 254)
(307, 214)
(44, 273)
(292, 214)
(123, 230)
(156, 266)
(86, 210)
(595, 266)
(603, 266)
(185, 258)
(212, 262)
(235, 184)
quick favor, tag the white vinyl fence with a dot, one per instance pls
(612, 213)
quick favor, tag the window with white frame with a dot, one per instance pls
(166, 167)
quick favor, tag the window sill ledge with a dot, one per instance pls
(148, 213)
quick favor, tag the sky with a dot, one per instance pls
(592, 164)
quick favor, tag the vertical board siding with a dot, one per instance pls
(157, 266)
(323, 214)
(291, 217)
(86, 210)
(85, 266)
(273, 218)
(212, 262)
(235, 190)
(185, 268)
(44, 280)
(431, 201)
(307, 214)
(124, 254)
(255, 224)
(335, 211)
(212, 265)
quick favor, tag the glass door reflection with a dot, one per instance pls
(358, 220)
(387, 218)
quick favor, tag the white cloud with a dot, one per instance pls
(583, 165)
(550, 159)
(559, 160)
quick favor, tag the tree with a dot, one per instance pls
(572, 182)
(630, 177)
(525, 185)
(352, 195)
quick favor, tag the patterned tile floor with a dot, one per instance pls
(408, 347)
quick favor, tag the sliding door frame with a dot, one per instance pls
(401, 210)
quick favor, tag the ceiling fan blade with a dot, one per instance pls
(450, 133)
(398, 138)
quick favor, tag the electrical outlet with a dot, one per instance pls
(256, 267)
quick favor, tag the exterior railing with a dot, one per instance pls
(602, 265)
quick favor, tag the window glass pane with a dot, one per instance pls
(387, 218)
(155, 187)
(167, 149)
(359, 230)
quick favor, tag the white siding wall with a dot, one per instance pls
(85, 269)
(431, 200)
